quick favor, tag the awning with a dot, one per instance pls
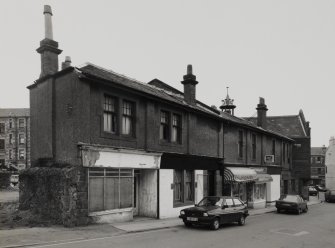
(264, 178)
(239, 174)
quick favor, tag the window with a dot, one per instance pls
(2, 144)
(319, 171)
(10, 138)
(259, 191)
(21, 154)
(176, 128)
(253, 143)
(318, 159)
(21, 123)
(240, 144)
(21, 138)
(313, 160)
(2, 127)
(183, 186)
(10, 154)
(164, 127)
(229, 203)
(127, 118)
(110, 188)
(10, 123)
(238, 203)
(110, 113)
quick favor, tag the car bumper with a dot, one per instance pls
(198, 220)
(287, 208)
(330, 198)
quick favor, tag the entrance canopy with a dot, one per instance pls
(239, 175)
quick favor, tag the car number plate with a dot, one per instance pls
(192, 219)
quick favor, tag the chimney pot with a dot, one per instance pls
(47, 9)
(189, 70)
(66, 63)
(261, 113)
(189, 86)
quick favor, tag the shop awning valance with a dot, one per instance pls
(239, 174)
(264, 178)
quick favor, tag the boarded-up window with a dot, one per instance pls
(110, 189)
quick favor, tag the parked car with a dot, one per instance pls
(330, 196)
(312, 190)
(291, 203)
(214, 211)
(320, 188)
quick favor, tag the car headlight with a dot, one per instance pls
(205, 214)
(182, 212)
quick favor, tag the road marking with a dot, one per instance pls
(290, 232)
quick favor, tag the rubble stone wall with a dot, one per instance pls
(56, 193)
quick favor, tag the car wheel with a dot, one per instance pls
(215, 224)
(187, 224)
(241, 221)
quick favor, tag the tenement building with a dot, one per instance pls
(143, 149)
(14, 139)
(318, 171)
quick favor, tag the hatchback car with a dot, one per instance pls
(291, 203)
(330, 196)
(214, 211)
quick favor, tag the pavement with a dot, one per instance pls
(23, 237)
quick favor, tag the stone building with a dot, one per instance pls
(318, 171)
(14, 139)
(296, 178)
(130, 148)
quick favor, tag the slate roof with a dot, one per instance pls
(289, 125)
(15, 112)
(317, 151)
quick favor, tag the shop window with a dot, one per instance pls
(21, 138)
(183, 187)
(21, 154)
(240, 144)
(253, 144)
(21, 123)
(259, 191)
(128, 118)
(2, 127)
(164, 133)
(176, 128)
(110, 189)
(110, 114)
(2, 144)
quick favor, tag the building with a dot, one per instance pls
(330, 165)
(296, 178)
(318, 171)
(14, 139)
(145, 149)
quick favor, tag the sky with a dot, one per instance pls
(281, 50)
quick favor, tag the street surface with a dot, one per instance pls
(312, 230)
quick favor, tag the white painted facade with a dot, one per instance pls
(166, 208)
(330, 164)
(273, 189)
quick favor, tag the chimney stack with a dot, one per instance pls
(66, 63)
(261, 113)
(189, 86)
(48, 47)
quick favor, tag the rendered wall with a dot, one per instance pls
(330, 165)
(273, 189)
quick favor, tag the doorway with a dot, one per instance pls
(136, 194)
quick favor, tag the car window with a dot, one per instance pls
(229, 203)
(290, 198)
(238, 203)
(210, 201)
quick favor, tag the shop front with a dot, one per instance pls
(122, 183)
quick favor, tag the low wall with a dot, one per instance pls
(56, 193)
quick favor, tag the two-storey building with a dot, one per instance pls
(145, 149)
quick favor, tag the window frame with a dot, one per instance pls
(2, 127)
(23, 153)
(22, 138)
(113, 114)
(183, 197)
(176, 127)
(19, 122)
(131, 117)
(164, 127)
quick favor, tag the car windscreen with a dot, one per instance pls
(210, 201)
(290, 198)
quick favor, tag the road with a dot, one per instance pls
(312, 230)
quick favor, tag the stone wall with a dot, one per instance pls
(57, 193)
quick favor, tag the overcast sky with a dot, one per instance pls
(281, 50)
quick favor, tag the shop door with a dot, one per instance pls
(136, 186)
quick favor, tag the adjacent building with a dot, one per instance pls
(296, 178)
(14, 139)
(330, 164)
(318, 170)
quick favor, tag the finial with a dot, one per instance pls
(189, 70)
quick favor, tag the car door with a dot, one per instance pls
(228, 211)
(302, 203)
(238, 208)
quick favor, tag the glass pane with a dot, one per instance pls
(126, 192)
(126, 125)
(96, 194)
(125, 172)
(107, 122)
(229, 202)
(112, 193)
